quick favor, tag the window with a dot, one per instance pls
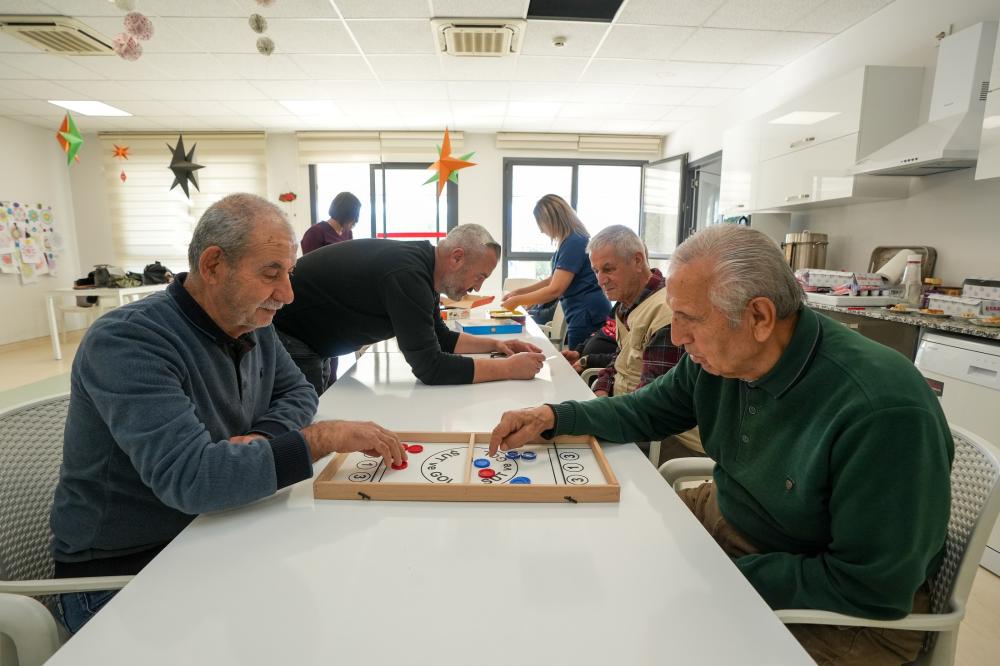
(602, 192)
(150, 221)
(395, 200)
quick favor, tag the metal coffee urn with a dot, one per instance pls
(805, 250)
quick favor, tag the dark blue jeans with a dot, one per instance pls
(76, 608)
(316, 368)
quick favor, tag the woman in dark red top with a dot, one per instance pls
(344, 211)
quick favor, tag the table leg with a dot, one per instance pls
(50, 308)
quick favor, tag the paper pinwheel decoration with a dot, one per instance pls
(121, 152)
(446, 165)
(183, 166)
(69, 138)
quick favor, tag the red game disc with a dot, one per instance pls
(401, 465)
(487, 473)
(414, 448)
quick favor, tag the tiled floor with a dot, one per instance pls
(27, 372)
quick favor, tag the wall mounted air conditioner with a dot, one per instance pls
(56, 34)
(478, 37)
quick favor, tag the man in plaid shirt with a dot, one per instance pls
(642, 316)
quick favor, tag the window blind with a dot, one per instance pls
(150, 221)
(373, 147)
(603, 143)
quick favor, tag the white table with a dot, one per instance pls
(116, 296)
(291, 580)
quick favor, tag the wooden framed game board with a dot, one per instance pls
(454, 467)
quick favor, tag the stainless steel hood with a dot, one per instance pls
(949, 140)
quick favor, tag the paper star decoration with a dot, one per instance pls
(446, 165)
(69, 138)
(183, 166)
(121, 152)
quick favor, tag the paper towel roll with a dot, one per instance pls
(893, 269)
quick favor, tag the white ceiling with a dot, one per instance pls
(659, 64)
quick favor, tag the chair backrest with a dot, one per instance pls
(557, 327)
(975, 503)
(31, 446)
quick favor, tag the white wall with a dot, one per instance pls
(34, 171)
(956, 215)
(899, 34)
(950, 212)
(90, 205)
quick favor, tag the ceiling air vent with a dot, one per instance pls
(56, 34)
(478, 37)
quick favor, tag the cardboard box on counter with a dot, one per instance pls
(489, 326)
(842, 282)
(956, 305)
(981, 288)
(448, 314)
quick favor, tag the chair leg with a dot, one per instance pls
(654, 453)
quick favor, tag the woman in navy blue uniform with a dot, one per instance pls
(572, 281)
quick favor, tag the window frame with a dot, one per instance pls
(451, 191)
(508, 180)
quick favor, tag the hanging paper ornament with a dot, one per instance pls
(123, 176)
(258, 23)
(265, 3)
(127, 46)
(69, 138)
(183, 166)
(138, 25)
(121, 152)
(288, 196)
(265, 45)
(125, 5)
(446, 165)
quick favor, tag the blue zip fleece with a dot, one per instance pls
(157, 389)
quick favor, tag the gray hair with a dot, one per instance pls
(747, 265)
(473, 238)
(229, 223)
(623, 240)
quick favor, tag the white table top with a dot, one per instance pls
(292, 580)
(109, 291)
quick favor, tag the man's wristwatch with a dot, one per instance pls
(583, 362)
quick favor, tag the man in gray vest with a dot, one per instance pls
(642, 318)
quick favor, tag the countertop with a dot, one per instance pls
(949, 325)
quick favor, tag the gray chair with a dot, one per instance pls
(975, 504)
(31, 438)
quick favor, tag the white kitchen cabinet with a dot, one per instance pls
(740, 169)
(822, 176)
(988, 163)
(809, 146)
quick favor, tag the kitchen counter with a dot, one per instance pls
(949, 325)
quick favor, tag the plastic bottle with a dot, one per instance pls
(912, 288)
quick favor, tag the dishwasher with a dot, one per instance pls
(965, 375)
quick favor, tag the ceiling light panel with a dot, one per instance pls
(89, 107)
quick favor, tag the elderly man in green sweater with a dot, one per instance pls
(831, 483)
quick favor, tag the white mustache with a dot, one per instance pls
(271, 304)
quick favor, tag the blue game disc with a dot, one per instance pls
(481, 462)
(528, 455)
(520, 479)
(513, 455)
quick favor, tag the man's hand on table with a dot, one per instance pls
(511, 347)
(324, 437)
(519, 427)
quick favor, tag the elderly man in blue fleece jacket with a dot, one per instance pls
(186, 402)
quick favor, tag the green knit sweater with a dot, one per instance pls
(835, 464)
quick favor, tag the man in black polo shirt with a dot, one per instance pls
(355, 293)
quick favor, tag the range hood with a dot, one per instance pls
(949, 140)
